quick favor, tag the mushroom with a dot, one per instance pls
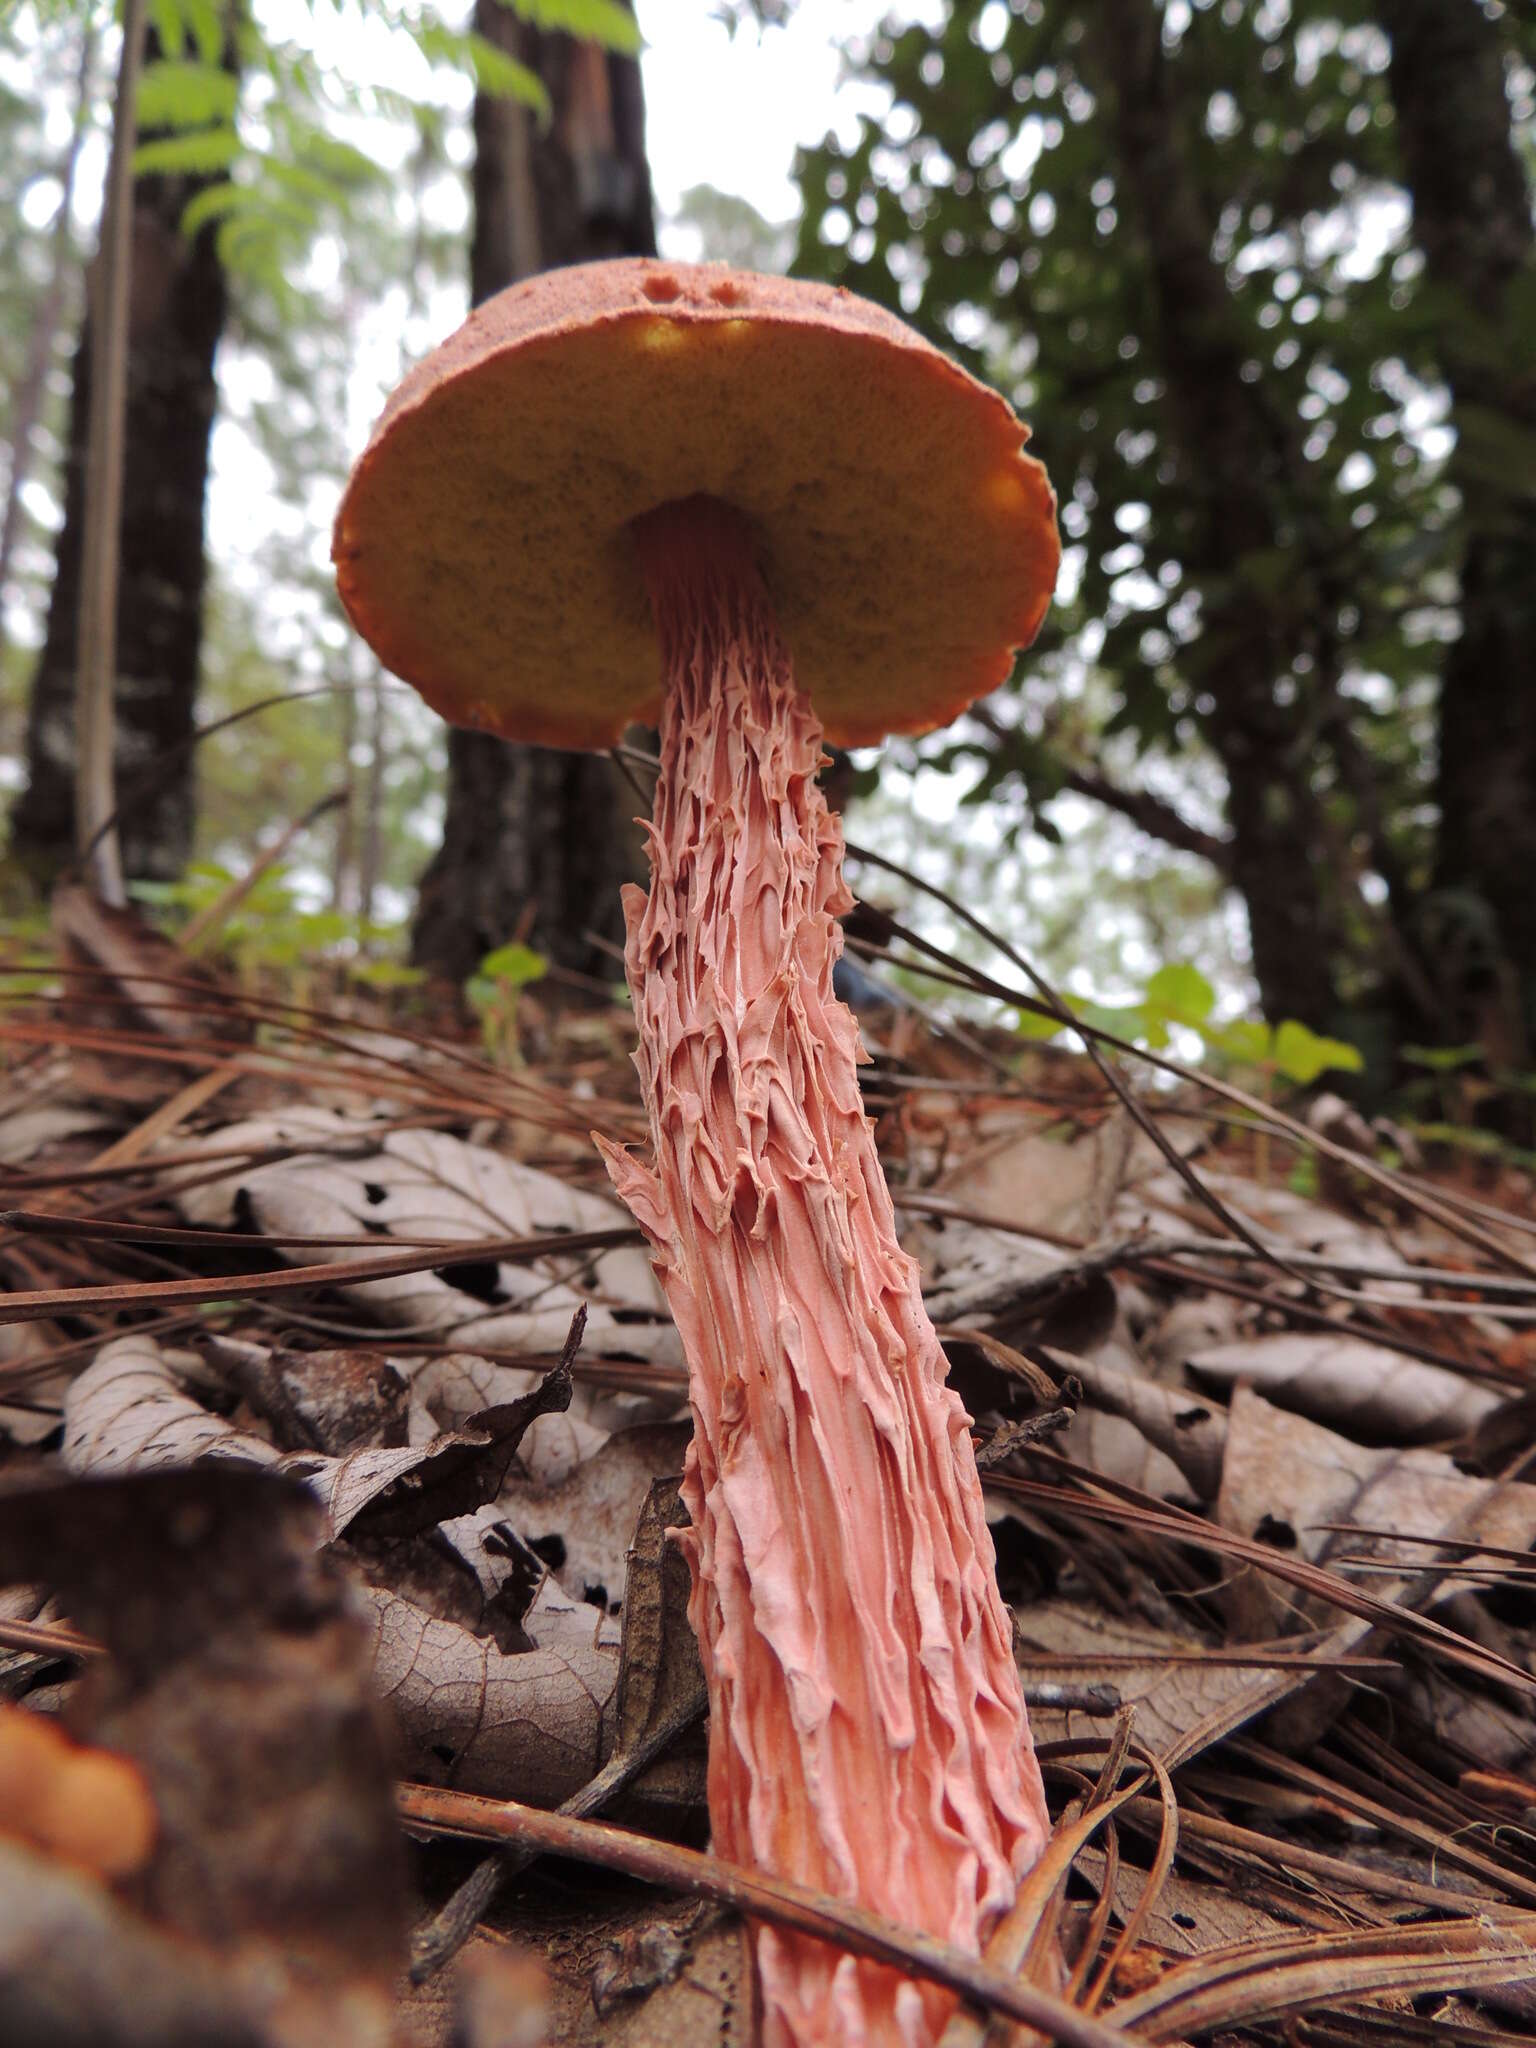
(758, 512)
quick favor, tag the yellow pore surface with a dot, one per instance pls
(483, 545)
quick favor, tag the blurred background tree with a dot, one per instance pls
(1263, 276)
(537, 842)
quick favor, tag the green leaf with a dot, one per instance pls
(205, 18)
(1301, 1055)
(1032, 1025)
(219, 202)
(169, 25)
(492, 69)
(514, 965)
(1181, 993)
(592, 21)
(201, 150)
(186, 95)
(387, 974)
(1442, 1059)
(1244, 1040)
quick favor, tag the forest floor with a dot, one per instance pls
(340, 1421)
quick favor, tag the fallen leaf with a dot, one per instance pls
(661, 1676)
(1284, 1480)
(125, 1412)
(1189, 1433)
(1367, 1389)
(538, 1722)
(429, 1184)
(1177, 1689)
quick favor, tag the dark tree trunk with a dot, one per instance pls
(177, 309)
(1472, 219)
(537, 841)
(1224, 431)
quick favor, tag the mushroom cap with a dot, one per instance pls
(483, 546)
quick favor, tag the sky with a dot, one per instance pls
(729, 112)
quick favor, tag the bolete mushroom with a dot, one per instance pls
(757, 512)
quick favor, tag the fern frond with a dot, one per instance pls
(493, 70)
(176, 93)
(194, 152)
(592, 21)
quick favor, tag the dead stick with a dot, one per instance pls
(785, 1904)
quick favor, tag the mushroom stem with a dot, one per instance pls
(867, 1729)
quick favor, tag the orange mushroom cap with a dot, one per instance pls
(483, 546)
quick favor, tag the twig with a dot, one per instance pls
(39, 1304)
(441, 1938)
(778, 1900)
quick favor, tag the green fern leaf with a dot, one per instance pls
(169, 25)
(198, 151)
(494, 72)
(185, 95)
(218, 202)
(593, 21)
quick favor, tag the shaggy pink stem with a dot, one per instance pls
(867, 1729)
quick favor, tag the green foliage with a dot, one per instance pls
(1178, 996)
(493, 71)
(989, 199)
(493, 996)
(594, 21)
(271, 928)
(514, 965)
(269, 124)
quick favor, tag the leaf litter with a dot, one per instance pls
(317, 1509)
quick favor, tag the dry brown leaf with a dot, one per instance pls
(584, 1526)
(996, 1279)
(36, 1124)
(1194, 1322)
(670, 1976)
(332, 1401)
(1067, 1186)
(1188, 1918)
(1059, 1640)
(660, 1675)
(536, 1723)
(128, 1411)
(1116, 1447)
(33, 1416)
(430, 1184)
(1365, 1389)
(446, 1391)
(125, 1412)
(1188, 1433)
(1284, 1478)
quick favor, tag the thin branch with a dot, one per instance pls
(1153, 815)
(778, 1900)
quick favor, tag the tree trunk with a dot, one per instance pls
(27, 400)
(1224, 430)
(534, 839)
(176, 315)
(1472, 219)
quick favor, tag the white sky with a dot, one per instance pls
(730, 113)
